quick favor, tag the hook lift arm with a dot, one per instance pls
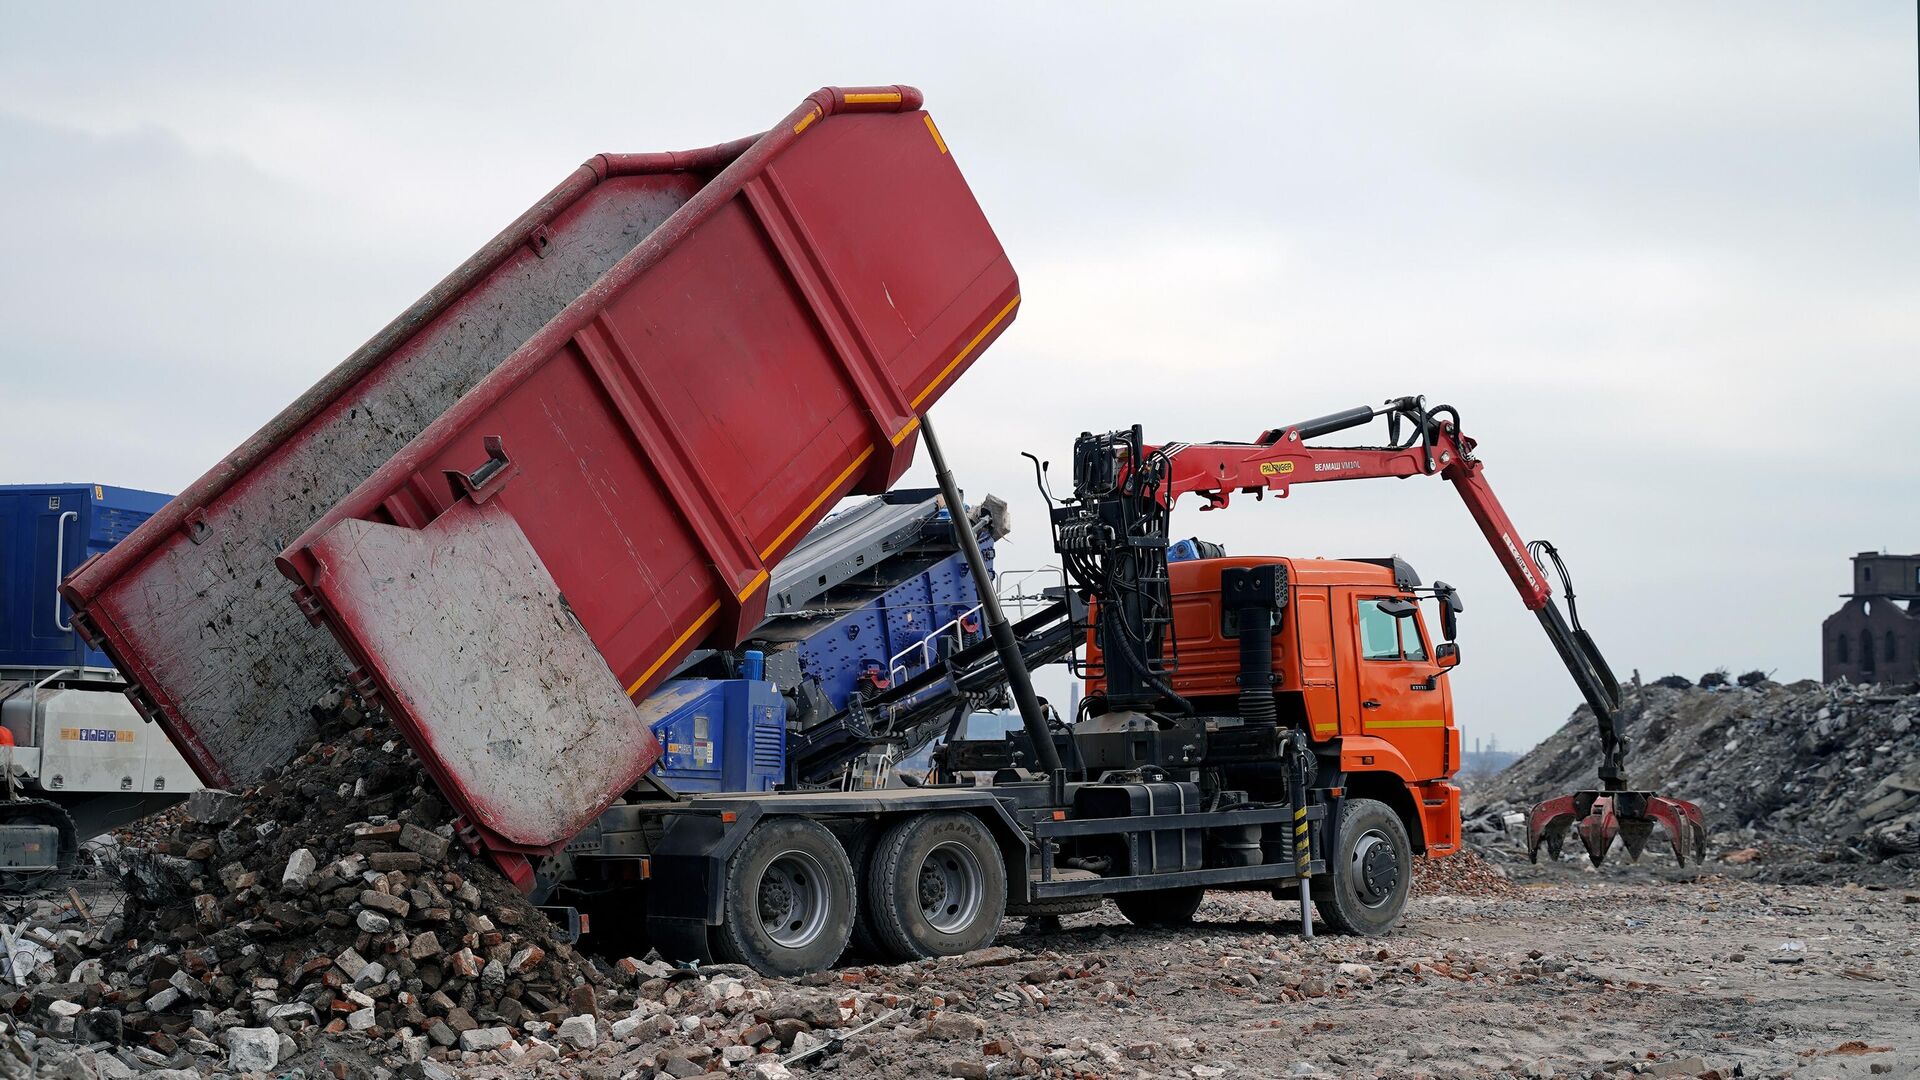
(1434, 445)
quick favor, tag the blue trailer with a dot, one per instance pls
(45, 531)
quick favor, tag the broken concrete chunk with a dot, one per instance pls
(578, 1032)
(211, 806)
(386, 903)
(351, 962)
(252, 1049)
(492, 1038)
(429, 845)
(299, 865)
(951, 1026)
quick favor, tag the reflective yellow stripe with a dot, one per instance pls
(1437, 722)
(758, 580)
(937, 140)
(900, 436)
(966, 352)
(872, 99)
(806, 121)
(818, 499)
(673, 648)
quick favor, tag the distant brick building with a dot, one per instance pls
(1872, 638)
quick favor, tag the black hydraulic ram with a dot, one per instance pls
(1011, 659)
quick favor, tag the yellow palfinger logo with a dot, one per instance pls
(1275, 468)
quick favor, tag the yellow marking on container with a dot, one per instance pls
(673, 648)
(1437, 722)
(901, 435)
(966, 352)
(937, 140)
(758, 580)
(818, 499)
(806, 121)
(873, 99)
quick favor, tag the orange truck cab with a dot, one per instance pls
(1370, 688)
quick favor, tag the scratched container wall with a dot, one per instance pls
(190, 608)
(613, 495)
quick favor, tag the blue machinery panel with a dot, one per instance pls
(719, 734)
(857, 646)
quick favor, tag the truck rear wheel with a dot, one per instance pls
(937, 887)
(1161, 907)
(862, 943)
(789, 899)
(1369, 873)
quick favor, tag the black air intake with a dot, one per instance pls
(1252, 599)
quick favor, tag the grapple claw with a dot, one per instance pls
(1599, 816)
(1597, 830)
(1684, 825)
(1547, 824)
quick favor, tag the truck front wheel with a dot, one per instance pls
(937, 887)
(1369, 873)
(789, 899)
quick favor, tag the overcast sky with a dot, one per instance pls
(1664, 259)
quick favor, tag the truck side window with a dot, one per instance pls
(1379, 637)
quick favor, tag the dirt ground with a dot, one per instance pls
(1552, 971)
(1572, 974)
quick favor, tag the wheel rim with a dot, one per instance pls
(792, 899)
(1374, 875)
(952, 887)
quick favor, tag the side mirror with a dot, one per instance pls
(1399, 609)
(1446, 654)
(1450, 609)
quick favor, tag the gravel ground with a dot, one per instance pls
(1550, 972)
(1574, 975)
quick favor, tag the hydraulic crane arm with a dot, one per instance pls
(1433, 445)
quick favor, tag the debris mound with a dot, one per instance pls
(329, 917)
(1464, 873)
(1788, 777)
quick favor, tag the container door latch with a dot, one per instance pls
(486, 481)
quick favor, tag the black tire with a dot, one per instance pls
(936, 887)
(862, 943)
(1161, 907)
(1369, 874)
(789, 900)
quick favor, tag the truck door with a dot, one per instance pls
(1402, 695)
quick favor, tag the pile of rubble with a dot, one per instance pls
(1804, 774)
(330, 906)
(1464, 873)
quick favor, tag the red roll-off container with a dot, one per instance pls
(615, 492)
(570, 464)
